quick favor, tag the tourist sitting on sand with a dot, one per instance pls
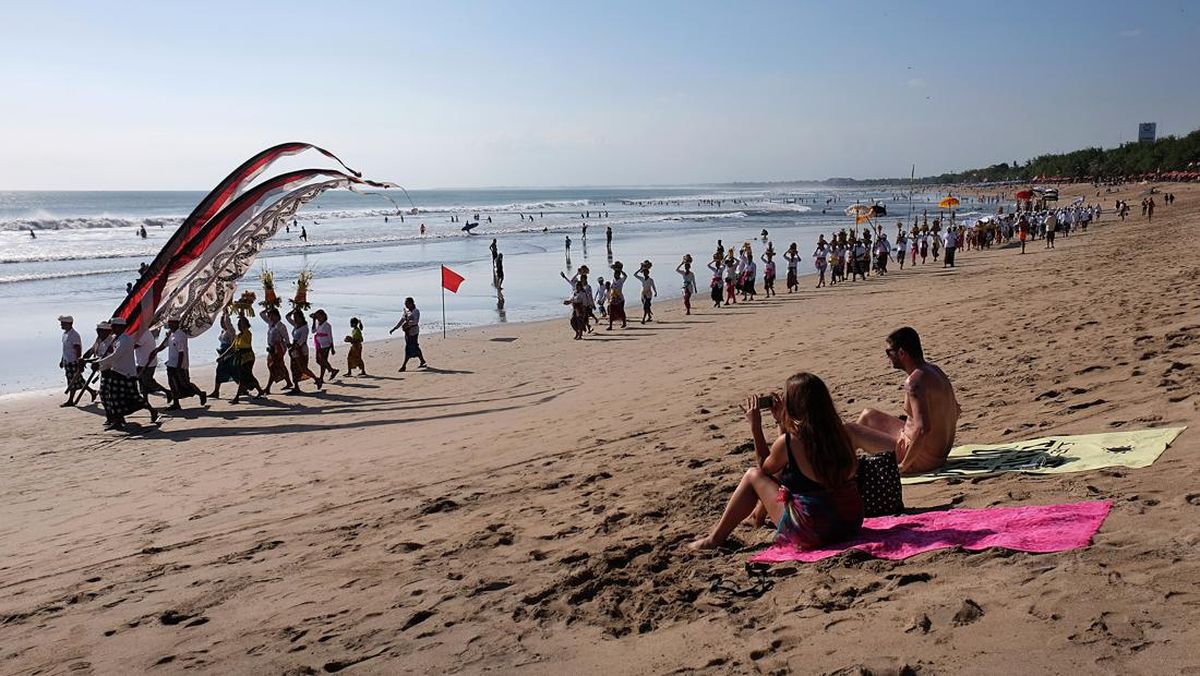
(804, 479)
(923, 438)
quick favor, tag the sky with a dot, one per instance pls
(127, 95)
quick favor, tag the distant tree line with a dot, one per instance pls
(1167, 154)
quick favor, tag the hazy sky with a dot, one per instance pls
(173, 95)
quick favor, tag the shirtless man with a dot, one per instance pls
(923, 439)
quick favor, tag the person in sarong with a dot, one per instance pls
(323, 342)
(277, 349)
(299, 351)
(410, 322)
(616, 296)
(243, 352)
(716, 284)
(179, 378)
(354, 358)
(146, 357)
(72, 362)
(119, 392)
(226, 361)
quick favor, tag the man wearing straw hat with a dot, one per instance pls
(72, 362)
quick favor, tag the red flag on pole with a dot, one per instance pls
(451, 280)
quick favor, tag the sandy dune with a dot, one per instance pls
(521, 508)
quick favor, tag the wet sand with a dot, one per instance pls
(520, 507)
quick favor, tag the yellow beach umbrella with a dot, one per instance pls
(949, 202)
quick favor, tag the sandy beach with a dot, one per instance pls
(520, 506)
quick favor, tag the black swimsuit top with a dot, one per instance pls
(793, 479)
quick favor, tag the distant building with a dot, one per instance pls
(1147, 131)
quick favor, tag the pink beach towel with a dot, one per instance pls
(1048, 528)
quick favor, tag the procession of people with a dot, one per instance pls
(126, 365)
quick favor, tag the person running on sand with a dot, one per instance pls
(689, 282)
(923, 439)
(901, 245)
(804, 479)
(649, 291)
(792, 256)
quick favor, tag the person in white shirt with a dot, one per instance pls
(883, 251)
(145, 356)
(323, 341)
(581, 275)
(792, 256)
(950, 241)
(820, 260)
(179, 378)
(601, 299)
(410, 321)
(277, 349)
(72, 362)
(689, 282)
(901, 245)
(118, 380)
(299, 350)
(649, 290)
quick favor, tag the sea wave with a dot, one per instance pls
(85, 222)
(62, 274)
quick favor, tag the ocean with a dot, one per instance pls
(86, 246)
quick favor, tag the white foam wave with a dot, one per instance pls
(85, 222)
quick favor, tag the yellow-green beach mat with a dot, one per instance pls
(1055, 455)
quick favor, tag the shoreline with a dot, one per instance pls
(520, 507)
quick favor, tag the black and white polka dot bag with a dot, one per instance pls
(879, 484)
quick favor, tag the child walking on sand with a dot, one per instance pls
(768, 259)
(354, 358)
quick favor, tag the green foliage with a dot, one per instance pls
(1169, 153)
